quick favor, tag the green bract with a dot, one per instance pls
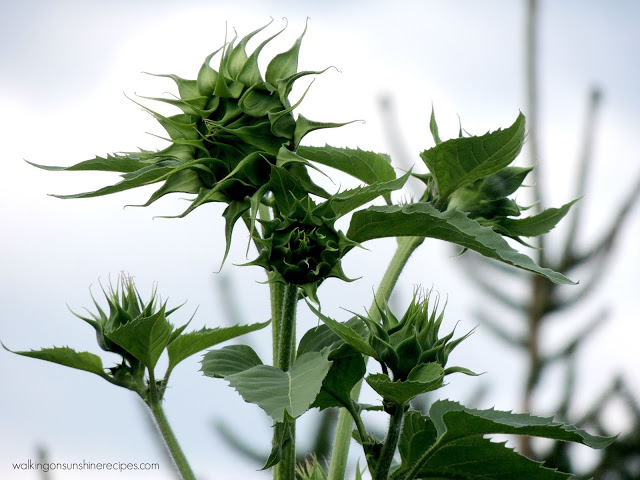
(234, 126)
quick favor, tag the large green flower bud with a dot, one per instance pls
(234, 125)
(405, 344)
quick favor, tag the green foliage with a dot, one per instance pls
(237, 142)
(450, 443)
(284, 396)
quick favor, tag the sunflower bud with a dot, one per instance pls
(405, 344)
(304, 247)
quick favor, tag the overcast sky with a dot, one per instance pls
(65, 68)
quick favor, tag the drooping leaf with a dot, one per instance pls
(144, 337)
(68, 357)
(423, 220)
(459, 161)
(283, 395)
(429, 378)
(369, 167)
(229, 360)
(191, 343)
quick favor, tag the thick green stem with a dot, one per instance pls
(390, 444)
(286, 468)
(155, 405)
(406, 246)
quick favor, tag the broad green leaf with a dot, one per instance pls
(422, 220)
(450, 441)
(144, 337)
(459, 161)
(454, 421)
(429, 378)
(369, 167)
(534, 225)
(68, 357)
(348, 200)
(229, 360)
(348, 334)
(478, 458)
(347, 370)
(283, 395)
(191, 343)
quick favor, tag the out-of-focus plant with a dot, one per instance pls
(238, 142)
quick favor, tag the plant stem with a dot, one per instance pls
(390, 444)
(155, 405)
(286, 468)
(406, 246)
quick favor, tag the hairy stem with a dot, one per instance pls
(286, 468)
(406, 246)
(390, 444)
(155, 405)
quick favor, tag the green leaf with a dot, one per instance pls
(348, 200)
(348, 334)
(283, 395)
(427, 378)
(478, 458)
(459, 161)
(422, 220)
(534, 225)
(144, 337)
(369, 167)
(191, 343)
(450, 444)
(68, 357)
(229, 360)
(347, 370)
(321, 337)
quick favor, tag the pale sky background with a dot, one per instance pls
(64, 70)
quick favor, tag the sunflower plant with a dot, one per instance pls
(237, 139)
